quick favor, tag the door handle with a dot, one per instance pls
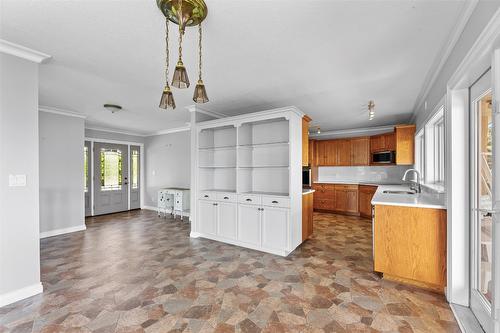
(249, 200)
(274, 201)
(226, 198)
(486, 212)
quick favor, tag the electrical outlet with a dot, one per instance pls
(17, 180)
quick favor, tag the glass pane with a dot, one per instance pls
(485, 165)
(111, 169)
(135, 169)
(86, 168)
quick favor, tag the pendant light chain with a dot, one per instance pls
(199, 46)
(167, 53)
(180, 43)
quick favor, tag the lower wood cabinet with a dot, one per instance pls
(307, 215)
(365, 195)
(409, 245)
(346, 199)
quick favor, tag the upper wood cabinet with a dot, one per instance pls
(383, 142)
(360, 151)
(405, 144)
(305, 141)
(344, 152)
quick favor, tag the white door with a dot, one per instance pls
(484, 170)
(249, 224)
(275, 228)
(227, 220)
(110, 178)
(135, 179)
(87, 164)
(207, 217)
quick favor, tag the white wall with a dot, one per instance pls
(19, 210)
(103, 135)
(477, 22)
(61, 173)
(168, 159)
(382, 174)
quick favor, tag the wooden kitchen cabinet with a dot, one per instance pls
(409, 245)
(305, 141)
(307, 215)
(324, 197)
(360, 151)
(343, 152)
(346, 198)
(405, 144)
(365, 194)
(383, 142)
(327, 152)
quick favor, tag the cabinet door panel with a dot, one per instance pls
(390, 141)
(321, 153)
(332, 148)
(227, 220)
(360, 151)
(275, 227)
(249, 224)
(207, 218)
(343, 152)
(351, 201)
(341, 200)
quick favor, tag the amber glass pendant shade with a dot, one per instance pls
(200, 93)
(167, 99)
(180, 79)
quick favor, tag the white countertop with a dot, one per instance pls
(359, 182)
(421, 200)
(307, 191)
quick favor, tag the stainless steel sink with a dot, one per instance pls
(399, 192)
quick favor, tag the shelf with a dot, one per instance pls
(265, 167)
(264, 145)
(279, 194)
(217, 167)
(219, 190)
(216, 148)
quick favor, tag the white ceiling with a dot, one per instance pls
(326, 57)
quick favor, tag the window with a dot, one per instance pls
(135, 169)
(420, 153)
(111, 169)
(434, 149)
(86, 168)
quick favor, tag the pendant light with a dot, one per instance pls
(180, 79)
(371, 110)
(167, 98)
(200, 93)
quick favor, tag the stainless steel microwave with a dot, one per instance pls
(386, 157)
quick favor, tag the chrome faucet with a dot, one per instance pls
(415, 184)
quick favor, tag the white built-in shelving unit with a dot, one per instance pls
(248, 180)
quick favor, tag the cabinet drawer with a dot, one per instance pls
(227, 197)
(250, 199)
(276, 201)
(346, 187)
(326, 204)
(206, 195)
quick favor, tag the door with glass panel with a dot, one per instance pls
(135, 181)
(110, 178)
(484, 168)
(87, 184)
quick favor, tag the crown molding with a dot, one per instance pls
(22, 52)
(187, 127)
(117, 131)
(214, 114)
(61, 112)
(366, 131)
(443, 55)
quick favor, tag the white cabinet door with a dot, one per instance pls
(275, 227)
(227, 220)
(207, 219)
(249, 224)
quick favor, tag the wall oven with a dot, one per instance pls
(384, 157)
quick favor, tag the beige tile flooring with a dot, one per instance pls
(135, 272)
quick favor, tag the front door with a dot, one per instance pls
(484, 168)
(110, 178)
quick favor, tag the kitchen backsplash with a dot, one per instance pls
(382, 174)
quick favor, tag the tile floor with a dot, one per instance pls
(135, 272)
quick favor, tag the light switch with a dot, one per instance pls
(17, 180)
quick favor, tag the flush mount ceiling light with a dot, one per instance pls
(184, 13)
(371, 110)
(112, 107)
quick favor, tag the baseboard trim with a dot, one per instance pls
(20, 294)
(149, 208)
(62, 231)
